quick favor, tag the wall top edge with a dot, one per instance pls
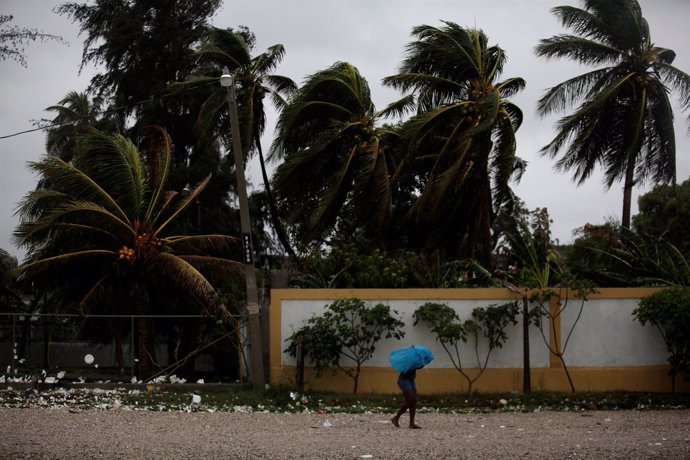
(460, 293)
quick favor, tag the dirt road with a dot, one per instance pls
(38, 433)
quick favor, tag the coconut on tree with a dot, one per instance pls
(99, 229)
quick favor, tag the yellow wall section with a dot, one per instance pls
(436, 381)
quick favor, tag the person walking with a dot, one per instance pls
(406, 382)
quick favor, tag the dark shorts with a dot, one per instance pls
(407, 385)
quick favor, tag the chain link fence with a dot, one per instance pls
(104, 347)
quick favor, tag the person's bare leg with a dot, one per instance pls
(412, 405)
(396, 418)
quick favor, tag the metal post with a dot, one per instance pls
(131, 347)
(255, 342)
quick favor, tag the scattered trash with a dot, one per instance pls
(89, 359)
(366, 456)
(153, 388)
(327, 424)
(243, 409)
(201, 381)
(503, 402)
(196, 399)
(61, 374)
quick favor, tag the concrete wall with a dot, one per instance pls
(607, 350)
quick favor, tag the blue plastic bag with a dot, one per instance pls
(414, 357)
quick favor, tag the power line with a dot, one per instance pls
(115, 109)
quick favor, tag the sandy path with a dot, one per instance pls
(118, 434)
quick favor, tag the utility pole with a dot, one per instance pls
(256, 359)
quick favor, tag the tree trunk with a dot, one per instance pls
(627, 192)
(119, 355)
(280, 232)
(143, 335)
(526, 372)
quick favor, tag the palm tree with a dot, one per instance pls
(625, 122)
(255, 78)
(76, 114)
(9, 297)
(99, 230)
(463, 133)
(334, 155)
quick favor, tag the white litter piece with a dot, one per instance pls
(201, 381)
(176, 379)
(503, 402)
(366, 456)
(61, 374)
(327, 424)
(49, 380)
(196, 399)
(89, 359)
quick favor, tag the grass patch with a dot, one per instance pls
(286, 400)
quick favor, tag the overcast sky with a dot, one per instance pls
(370, 34)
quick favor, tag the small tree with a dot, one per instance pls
(669, 311)
(349, 328)
(645, 260)
(451, 331)
(539, 266)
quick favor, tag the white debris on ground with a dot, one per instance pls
(38, 433)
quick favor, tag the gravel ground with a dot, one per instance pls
(38, 433)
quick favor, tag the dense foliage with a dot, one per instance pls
(347, 329)
(664, 213)
(669, 311)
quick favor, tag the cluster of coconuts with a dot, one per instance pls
(141, 242)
